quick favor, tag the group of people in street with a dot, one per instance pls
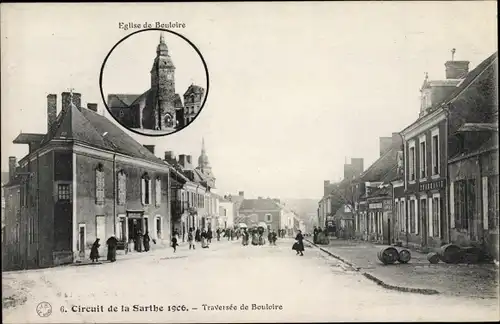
(112, 244)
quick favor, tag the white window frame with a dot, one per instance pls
(438, 215)
(100, 196)
(119, 218)
(269, 218)
(158, 191)
(435, 159)
(144, 229)
(155, 227)
(122, 193)
(145, 177)
(422, 158)
(380, 222)
(412, 162)
(417, 218)
(416, 214)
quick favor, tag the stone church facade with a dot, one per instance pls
(160, 107)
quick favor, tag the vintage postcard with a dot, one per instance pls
(249, 162)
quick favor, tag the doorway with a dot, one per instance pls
(134, 227)
(422, 224)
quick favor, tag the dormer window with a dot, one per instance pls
(99, 184)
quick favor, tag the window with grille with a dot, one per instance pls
(436, 217)
(122, 188)
(411, 211)
(493, 202)
(63, 192)
(464, 202)
(99, 186)
(158, 191)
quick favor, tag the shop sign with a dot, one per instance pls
(375, 206)
(432, 185)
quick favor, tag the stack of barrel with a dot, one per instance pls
(391, 255)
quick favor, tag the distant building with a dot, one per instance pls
(255, 211)
(160, 107)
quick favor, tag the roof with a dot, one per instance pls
(380, 192)
(381, 167)
(471, 77)
(478, 127)
(88, 127)
(489, 145)
(259, 204)
(116, 100)
(25, 138)
(194, 89)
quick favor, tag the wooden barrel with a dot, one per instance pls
(404, 256)
(433, 257)
(388, 255)
(450, 253)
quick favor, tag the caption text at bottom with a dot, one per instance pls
(169, 308)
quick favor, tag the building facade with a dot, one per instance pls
(80, 183)
(255, 211)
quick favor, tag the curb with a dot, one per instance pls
(378, 281)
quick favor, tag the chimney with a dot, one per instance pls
(326, 184)
(397, 141)
(169, 155)
(51, 110)
(92, 106)
(151, 148)
(189, 159)
(182, 160)
(385, 145)
(66, 100)
(357, 165)
(12, 167)
(456, 69)
(241, 194)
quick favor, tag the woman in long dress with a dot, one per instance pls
(299, 243)
(204, 243)
(112, 243)
(94, 251)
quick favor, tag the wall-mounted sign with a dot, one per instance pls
(432, 185)
(375, 206)
(135, 214)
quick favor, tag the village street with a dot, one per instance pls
(314, 287)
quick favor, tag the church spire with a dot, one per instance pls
(203, 162)
(162, 48)
(162, 38)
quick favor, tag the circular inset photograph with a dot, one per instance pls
(154, 82)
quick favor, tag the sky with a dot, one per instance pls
(295, 88)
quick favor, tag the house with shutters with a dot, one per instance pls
(84, 179)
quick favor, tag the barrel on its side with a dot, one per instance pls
(404, 256)
(388, 255)
(433, 257)
(450, 253)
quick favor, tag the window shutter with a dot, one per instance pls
(485, 203)
(452, 204)
(143, 191)
(431, 217)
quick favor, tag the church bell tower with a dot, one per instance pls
(163, 85)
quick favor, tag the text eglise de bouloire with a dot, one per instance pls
(156, 24)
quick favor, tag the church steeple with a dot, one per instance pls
(203, 162)
(162, 48)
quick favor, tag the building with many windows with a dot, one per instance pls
(84, 179)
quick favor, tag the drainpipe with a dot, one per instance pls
(447, 173)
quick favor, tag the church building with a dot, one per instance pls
(160, 107)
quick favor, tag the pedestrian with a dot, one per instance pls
(191, 239)
(300, 243)
(218, 234)
(270, 237)
(139, 241)
(197, 235)
(174, 241)
(146, 240)
(209, 235)
(204, 243)
(315, 235)
(112, 243)
(94, 251)
(274, 237)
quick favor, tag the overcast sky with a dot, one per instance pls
(295, 88)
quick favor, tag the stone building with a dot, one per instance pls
(160, 107)
(254, 211)
(84, 179)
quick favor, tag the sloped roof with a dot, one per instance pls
(194, 89)
(259, 204)
(381, 166)
(29, 138)
(86, 126)
(478, 127)
(489, 145)
(116, 100)
(471, 77)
